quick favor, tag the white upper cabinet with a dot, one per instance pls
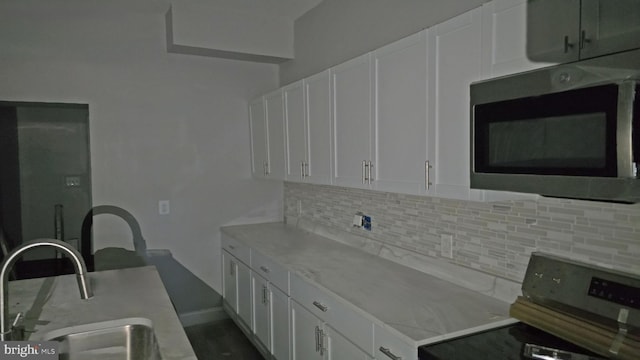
(400, 116)
(308, 125)
(609, 26)
(455, 50)
(274, 109)
(353, 155)
(553, 30)
(296, 132)
(568, 30)
(396, 119)
(266, 116)
(258, 126)
(317, 90)
(504, 39)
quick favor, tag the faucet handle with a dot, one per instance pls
(19, 316)
(17, 332)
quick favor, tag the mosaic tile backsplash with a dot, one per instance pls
(496, 238)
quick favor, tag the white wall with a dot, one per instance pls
(338, 30)
(162, 126)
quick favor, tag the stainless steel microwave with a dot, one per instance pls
(570, 130)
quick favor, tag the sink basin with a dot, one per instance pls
(129, 338)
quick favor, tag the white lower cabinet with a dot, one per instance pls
(270, 317)
(340, 348)
(389, 347)
(280, 324)
(261, 310)
(237, 290)
(229, 282)
(244, 297)
(305, 334)
(312, 338)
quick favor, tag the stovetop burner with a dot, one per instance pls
(512, 342)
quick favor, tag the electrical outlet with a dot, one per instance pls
(446, 245)
(366, 222)
(163, 207)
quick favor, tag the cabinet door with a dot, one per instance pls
(400, 117)
(261, 309)
(319, 149)
(244, 295)
(296, 132)
(259, 154)
(339, 348)
(552, 30)
(352, 120)
(609, 26)
(504, 39)
(305, 332)
(230, 281)
(388, 346)
(455, 48)
(279, 325)
(274, 109)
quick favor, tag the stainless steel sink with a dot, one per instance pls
(129, 338)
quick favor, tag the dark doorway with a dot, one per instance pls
(45, 178)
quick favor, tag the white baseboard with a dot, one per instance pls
(202, 316)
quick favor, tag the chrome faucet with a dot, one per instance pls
(11, 258)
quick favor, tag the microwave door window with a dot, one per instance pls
(566, 133)
(560, 142)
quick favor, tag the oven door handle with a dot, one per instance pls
(532, 351)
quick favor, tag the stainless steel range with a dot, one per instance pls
(569, 310)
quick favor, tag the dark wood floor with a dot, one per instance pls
(221, 339)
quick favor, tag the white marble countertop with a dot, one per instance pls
(54, 303)
(418, 307)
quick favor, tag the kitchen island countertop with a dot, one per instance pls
(54, 303)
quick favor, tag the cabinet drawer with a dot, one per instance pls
(272, 271)
(388, 345)
(236, 248)
(354, 326)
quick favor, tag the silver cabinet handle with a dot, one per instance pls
(264, 269)
(567, 44)
(306, 169)
(320, 306)
(301, 169)
(388, 352)
(370, 169)
(265, 295)
(322, 348)
(583, 39)
(364, 173)
(427, 178)
(317, 338)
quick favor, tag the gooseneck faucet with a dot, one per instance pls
(15, 254)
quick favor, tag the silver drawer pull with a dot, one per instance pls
(388, 352)
(265, 269)
(324, 308)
